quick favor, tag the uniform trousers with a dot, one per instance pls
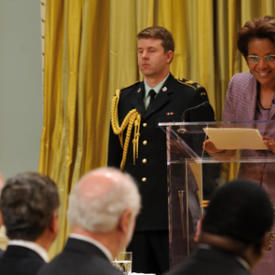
(150, 251)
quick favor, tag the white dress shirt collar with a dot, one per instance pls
(156, 88)
(147, 88)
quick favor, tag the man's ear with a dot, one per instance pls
(53, 225)
(267, 241)
(170, 55)
(125, 221)
(1, 180)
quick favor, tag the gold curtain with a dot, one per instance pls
(76, 96)
(90, 50)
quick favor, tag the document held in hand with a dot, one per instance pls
(236, 138)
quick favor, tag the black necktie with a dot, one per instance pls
(152, 95)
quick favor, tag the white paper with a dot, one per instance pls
(236, 138)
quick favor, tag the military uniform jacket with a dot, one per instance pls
(150, 169)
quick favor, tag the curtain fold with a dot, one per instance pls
(123, 69)
(76, 98)
(90, 50)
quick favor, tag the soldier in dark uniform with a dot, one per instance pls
(138, 145)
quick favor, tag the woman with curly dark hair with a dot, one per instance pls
(251, 97)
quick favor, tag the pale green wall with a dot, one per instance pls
(20, 86)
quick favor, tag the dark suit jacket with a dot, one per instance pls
(81, 258)
(18, 260)
(172, 101)
(210, 262)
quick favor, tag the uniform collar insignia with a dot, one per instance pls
(164, 89)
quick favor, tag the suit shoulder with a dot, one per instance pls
(242, 77)
(241, 83)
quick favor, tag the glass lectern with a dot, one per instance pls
(193, 174)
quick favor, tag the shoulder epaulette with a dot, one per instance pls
(189, 83)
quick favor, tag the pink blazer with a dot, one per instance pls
(241, 98)
(240, 105)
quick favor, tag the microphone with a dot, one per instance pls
(201, 112)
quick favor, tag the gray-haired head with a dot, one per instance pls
(28, 202)
(98, 200)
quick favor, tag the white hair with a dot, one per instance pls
(100, 209)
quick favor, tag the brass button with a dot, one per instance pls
(144, 142)
(144, 124)
(143, 179)
(144, 161)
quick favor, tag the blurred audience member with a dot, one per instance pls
(1, 187)
(102, 210)
(234, 231)
(28, 205)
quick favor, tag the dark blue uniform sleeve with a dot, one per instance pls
(114, 150)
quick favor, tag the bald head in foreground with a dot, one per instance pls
(235, 231)
(102, 210)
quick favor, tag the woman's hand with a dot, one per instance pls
(270, 143)
(219, 154)
(210, 147)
